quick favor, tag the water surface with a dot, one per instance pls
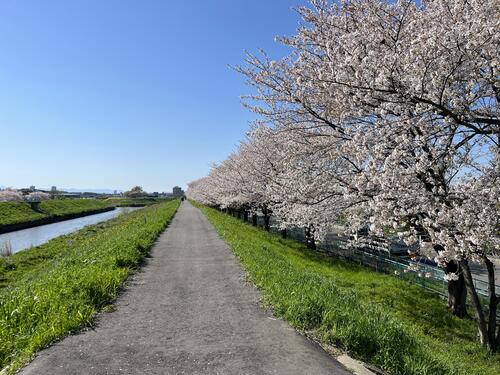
(26, 238)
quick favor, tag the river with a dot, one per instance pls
(26, 238)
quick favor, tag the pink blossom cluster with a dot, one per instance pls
(384, 115)
(10, 195)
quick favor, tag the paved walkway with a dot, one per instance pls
(189, 311)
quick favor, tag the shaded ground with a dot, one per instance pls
(189, 312)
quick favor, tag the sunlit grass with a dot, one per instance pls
(48, 291)
(379, 318)
(61, 207)
(21, 212)
(131, 202)
(17, 212)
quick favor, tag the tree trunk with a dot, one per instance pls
(266, 213)
(245, 215)
(35, 206)
(283, 233)
(481, 321)
(266, 222)
(254, 220)
(457, 291)
(492, 308)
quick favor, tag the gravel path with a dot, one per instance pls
(189, 311)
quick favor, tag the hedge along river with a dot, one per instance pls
(26, 238)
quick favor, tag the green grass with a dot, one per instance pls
(56, 288)
(62, 207)
(376, 317)
(21, 212)
(130, 202)
(17, 212)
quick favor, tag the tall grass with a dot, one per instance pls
(375, 317)
(48, 291)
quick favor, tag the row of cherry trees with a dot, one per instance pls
(387, 114)
(11, 195)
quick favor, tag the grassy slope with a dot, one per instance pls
(20, 212)
(56, 288)
(122, 201)
(60, 207)
(377, 317)
(17, 212)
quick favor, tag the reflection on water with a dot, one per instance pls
(25, 238)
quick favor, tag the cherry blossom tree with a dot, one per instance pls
(135, 192)
(37, 196)
(383, 113)
(199, 190)
(412, 94)
(10, 195)
(306, 189)
(240, 182)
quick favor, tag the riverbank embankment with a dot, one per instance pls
(51, 290)
(21, 215)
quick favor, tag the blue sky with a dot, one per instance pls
(110, 94)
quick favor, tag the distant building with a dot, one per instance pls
(32, 187)
(177, 191)
(53, 189)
